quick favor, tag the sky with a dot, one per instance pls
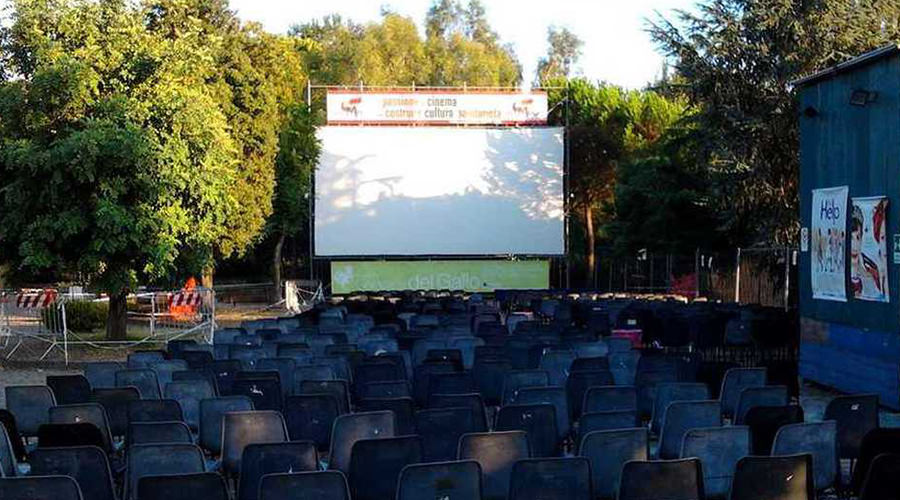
(616, 48)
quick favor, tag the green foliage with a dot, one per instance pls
(82, 316)
(298, 155)
(564, 50)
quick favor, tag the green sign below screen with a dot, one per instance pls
(469, 275)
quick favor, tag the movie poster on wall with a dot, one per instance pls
(868, 249)
(829, 243)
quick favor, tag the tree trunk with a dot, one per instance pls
(276, 267)
(591, 257)
(206, 281)
(117, 320)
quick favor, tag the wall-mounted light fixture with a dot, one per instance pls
(861, 97)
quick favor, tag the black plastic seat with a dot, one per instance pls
(310, 417)
(496, 452)
(669, 479)
(159, 433)
(324, 485)
(551, 479)
(337, 388)
(91, 413)
(66, 435)
(882, 482)
(69, 389)
(39, 488)
(578, 384)
(115, 402)
(8, 422)
(517, 379)
(102, 374)
(350, 428)
(202, 485)
(422, 375)
(875, 442)
(764, 422)
(243, 428)
(154, 410)
(451, 383)
(773, 478)
(375, 465)
(8, 460)
(211, 414)
(489, 374)
(855, 415)
(386, 389)
(460, 479)
(608, 451)
(768, 395)
(441, 429)
(29, 404)
(188, 394)
(196, 360)
(224, 371)
(143, 379)
(538, 421)
(143, 359)
(285, 368)
(88, 465)
(472, 401)
(555, 396)
(403, 409)
(264, 392)
(261, 459)
(160, 460)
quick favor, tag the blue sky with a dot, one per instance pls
(616, 47)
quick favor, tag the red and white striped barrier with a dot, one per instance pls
(35, 300)
(186, 298)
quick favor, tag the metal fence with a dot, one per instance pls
(33, 314)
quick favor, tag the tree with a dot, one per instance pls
(734, 60)
(564, 50)
(334, 62)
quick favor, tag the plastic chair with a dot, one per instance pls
(557, 364)
(610, 398)
(196, 376)
(224, 371)
(375, 465)
(154, 410)
(243, 428)
(579, 382)
(489, 376)
(39, 487)
(623, 366)
(87, 465)
(265, 392)
(203, 485)
(735, 381)
(115, 401)
(441, 429)
(538, 421)
(144, 379)
(472, 401)
(160, 460)
(385, 389)
(818, 439)
(196, 360)
(551, 479)
(212, 412)
(608, 451)
(339, 389)
(680, 417)
(495, 452)
(669, 479)
(773, 478)
(769, 395)
(460, 479)
(882, 481)
(310, 417)
(188, 394)
(517, 379)
(719, 449)
(855, 416)
(261, 459)
(8, 457)
(451, 383)
(874, 443)
(325, 485)
(69, 389)
(29, 404)
(555, 396)
(350, 428)
(143, 359)
(667, 393)
(606, 421)
(646, 383)
(764, 422)
(67, 435)
(159, 433)
(90, 413)
(165, 369)
(101, 374)
(285, 368)
(403, 409)
(11, 431)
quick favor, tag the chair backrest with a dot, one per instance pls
(205, 485)
(735, 381)
(669, 392)
(883, 478)
(682, 416)
(555, 396)
(212, 412)
(719, 449)
(855, 416)
(441, 429)
(154, 410)
(29, 404)
(623, 366)
(551, 479)
(159, 433)
(461, 479)
(489, 376)
(451, 383)
(143, 359)
(767, 395)
(102, 374)
(69, 389)
(556, 364)
(160, 460)
(165, 369)
(517, 379)
(816, 438)
(669, 479)
(338, 388)
(404, 410)
(773, 478)
(350, 428)
(646, 383)
(66, 435)
(285, 368)
(91, 413)
(8, 460)
(115, 402)
(375, 465)
(496, 452)
(261, 459)
(610, 398)
(608, 451)
(11, 430)
(324, 485)
(606, 421)
(874, 443)
(87, 465)
(539, 421)
(385, 389)
(144, 379)
(764, 422)
(310, 417)
(224, 371)
(188, 394)
(472, 401)
(265, 392)
(243, 428)
(34, 487)
(579, 382)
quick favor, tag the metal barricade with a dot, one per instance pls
(165, 316)
(35, 314)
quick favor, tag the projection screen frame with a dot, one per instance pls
(555, 260)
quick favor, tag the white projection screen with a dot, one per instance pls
(439, 191)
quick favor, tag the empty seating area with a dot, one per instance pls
(428, 396)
